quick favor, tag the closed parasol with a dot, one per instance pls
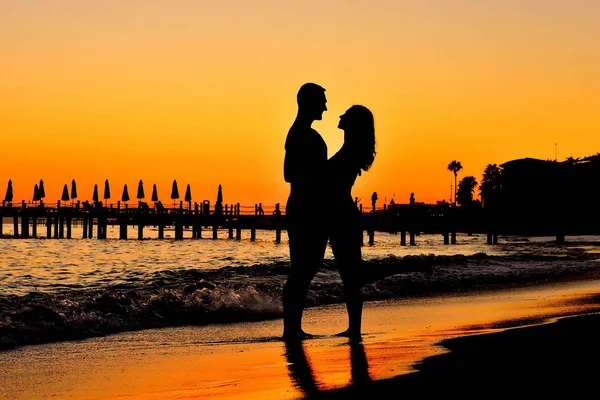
(65, 193)
(36, 193)
(174, 192)
(73, 190)
(188, 194)
(140, 191)
(95, 195)
(220, 195)
(154, 193)
(219, 203)
(9, 192)
(42, 190)
(125, 195)
(106, 190)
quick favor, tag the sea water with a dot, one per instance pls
(60, 289)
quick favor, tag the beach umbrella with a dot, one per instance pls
(219, 203)
(154, 193)
(188, 194)
(42, 190)
(95, 195)
(73, 189)
(9, 192)
(220, 195)
(174, 192)
(106, 190)
(125, 195)
(65, 193)
(140, 192)
(36, 193)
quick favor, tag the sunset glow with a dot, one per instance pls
(204, 92)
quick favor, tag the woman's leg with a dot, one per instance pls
(349, 272)
(346, 247)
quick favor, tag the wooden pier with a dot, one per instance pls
(408, 222)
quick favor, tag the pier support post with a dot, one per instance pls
(16, 226)
(61, 228)
(24, 220)
(412, 239)
(99, 228)
(33, 226)
(48, 227)
(161, 231)
(253, 234)
(453, 238)
(178, 230)
(69, 221)
(403, 238)
(230, 230)
(278, 235)
(446, 238)
(56, 218)
(85, 227)
(140, 231)
(214, 229)
(91, 227)
(25, 225)
(238, 233)
(123, 229)
(371, 237)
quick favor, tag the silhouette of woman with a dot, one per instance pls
(345, 233)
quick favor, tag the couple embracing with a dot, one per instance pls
(311, 223)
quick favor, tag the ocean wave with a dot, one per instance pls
(190, 296)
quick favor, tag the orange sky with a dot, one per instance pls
(204, 92)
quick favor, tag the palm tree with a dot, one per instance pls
(572, 161)
(454, 167)
(466, 187)
(491, 183)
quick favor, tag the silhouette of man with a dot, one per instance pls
(304, 168)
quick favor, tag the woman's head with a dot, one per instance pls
(359, 134)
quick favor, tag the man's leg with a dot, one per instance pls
(306, 256)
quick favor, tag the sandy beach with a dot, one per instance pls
(512, 341)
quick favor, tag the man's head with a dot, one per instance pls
(311, 101)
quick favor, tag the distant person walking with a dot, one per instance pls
(412, 199)
(304, 168)
(345, 232)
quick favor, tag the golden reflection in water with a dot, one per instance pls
(347, 366)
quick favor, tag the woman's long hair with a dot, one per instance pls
(361, 137)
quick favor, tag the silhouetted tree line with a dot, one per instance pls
(548, 194)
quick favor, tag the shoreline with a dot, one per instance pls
(61, 333)
(407, 345)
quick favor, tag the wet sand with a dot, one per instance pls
(537, 340)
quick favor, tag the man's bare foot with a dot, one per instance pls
(300, 335)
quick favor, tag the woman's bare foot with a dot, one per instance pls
(351, 334)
